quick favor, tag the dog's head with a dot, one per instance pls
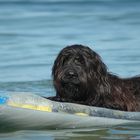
(77, 72)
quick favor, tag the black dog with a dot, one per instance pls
(80, 76)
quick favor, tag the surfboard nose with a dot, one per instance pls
(3, 100)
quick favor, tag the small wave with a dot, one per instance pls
(21, 66)
(42, 87)
(65, 1)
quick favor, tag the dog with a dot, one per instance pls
(80, 76)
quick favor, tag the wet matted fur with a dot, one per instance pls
(80, 76)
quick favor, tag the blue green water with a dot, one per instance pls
(32, 32)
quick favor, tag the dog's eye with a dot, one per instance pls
(78, 60)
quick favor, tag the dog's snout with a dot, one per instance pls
(71, 74)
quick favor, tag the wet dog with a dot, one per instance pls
(80, 76)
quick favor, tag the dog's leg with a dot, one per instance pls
(55, 98)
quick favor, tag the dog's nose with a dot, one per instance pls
(71, 74)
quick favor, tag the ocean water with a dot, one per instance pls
(32, 32)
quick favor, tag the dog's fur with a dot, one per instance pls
(80, 76)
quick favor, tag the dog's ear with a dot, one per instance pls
(99, 75)
(101, 68)
(57, 64)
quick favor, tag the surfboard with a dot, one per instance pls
(20, 111)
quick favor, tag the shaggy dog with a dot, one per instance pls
(80, 76)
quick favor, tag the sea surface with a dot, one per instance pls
(32, 32)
